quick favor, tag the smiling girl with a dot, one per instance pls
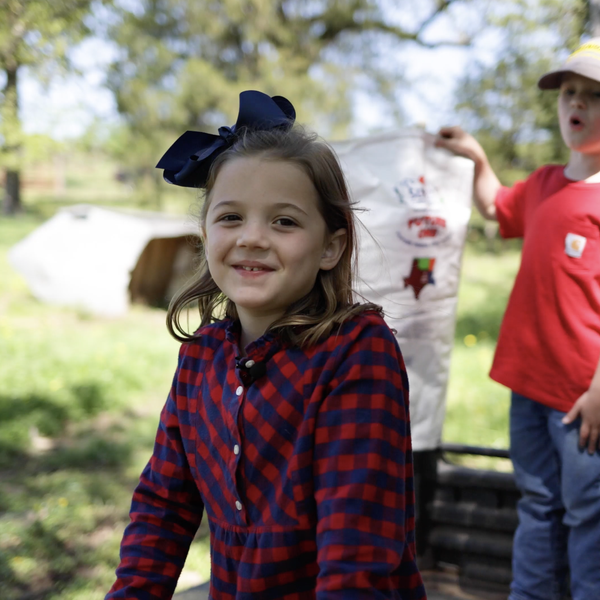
(287, 422)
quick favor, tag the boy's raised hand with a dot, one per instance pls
(460, 142)
(588, 408)
(485, 182)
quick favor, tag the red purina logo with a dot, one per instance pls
(427, 226)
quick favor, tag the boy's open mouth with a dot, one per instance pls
(576, 121)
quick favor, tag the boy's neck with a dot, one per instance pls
(583, 167)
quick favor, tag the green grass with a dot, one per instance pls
(477, 407)
(79, 404)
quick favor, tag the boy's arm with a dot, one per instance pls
(485, 183)
(588, 408)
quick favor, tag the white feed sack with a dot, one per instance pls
(414, 203)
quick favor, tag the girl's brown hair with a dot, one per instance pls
(331, 301)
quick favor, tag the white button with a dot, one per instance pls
(239, 391)
(238, 505)
(250, 363)
(236, 449)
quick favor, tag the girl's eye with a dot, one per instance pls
(229, 218)
(285, 222)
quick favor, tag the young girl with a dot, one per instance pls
(287, 422)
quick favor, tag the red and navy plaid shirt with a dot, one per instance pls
(305, 474)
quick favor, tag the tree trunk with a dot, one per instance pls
(12, 193)
(12, 143)
(594, 17)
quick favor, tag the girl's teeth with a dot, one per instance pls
(252, 268)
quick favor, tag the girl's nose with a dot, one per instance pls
(253, 235)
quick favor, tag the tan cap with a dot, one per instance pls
(584, 61)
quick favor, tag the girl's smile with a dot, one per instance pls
(265, 239)
(250, 267)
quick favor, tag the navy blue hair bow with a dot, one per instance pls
(187, 161)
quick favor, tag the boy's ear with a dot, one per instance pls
(334, 250)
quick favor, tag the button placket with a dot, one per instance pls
(236, 448)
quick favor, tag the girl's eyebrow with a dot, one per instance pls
(224, 203)
(288, 205)
(278, 205)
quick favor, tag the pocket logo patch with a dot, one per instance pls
(574, 245)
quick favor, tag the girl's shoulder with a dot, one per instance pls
(207, 337)
(213, 331)
(369, 316)
(364, 338)
(366, 323)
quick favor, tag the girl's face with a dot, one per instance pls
(265, 239)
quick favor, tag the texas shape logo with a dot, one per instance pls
(421, 274)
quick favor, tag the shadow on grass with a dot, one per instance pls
(65, 472)
(70, 433)
(25, 419)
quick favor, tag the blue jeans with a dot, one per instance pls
(559, 512)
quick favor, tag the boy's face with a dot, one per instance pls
(579, 113)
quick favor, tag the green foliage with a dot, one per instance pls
(33, 32)
(501, 104)
(182, 63)
(36, 34)
(38, 147)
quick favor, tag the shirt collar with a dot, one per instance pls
(260, 350)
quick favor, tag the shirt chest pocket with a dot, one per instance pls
(576, 246)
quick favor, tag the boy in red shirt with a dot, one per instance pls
(549, 343)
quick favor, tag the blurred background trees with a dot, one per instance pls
(35, 35)
(79, 396)
(501, 103)
(180, 64)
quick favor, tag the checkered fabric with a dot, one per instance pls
(305, 474)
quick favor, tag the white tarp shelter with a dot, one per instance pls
(414, 201)
(99, 259)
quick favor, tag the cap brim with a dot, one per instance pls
(552, 80)
(585, 68)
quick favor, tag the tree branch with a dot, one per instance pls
(334, 26)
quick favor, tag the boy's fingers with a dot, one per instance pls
(584, 434)
(571, 415)
(593, 440)
(448, 132)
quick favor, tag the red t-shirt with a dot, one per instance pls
(549, 341)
